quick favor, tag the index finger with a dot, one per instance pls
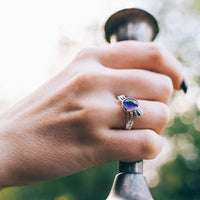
(140, 55)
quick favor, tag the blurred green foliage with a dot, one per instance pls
(94, 183)
(180, 178)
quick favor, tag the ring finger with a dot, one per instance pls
(155, 116)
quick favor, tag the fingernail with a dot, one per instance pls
(184, 86)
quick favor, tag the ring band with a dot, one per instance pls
(131, 107)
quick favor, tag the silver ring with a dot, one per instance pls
(131, 107)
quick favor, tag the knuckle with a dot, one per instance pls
(91, 113)
(92, 78)
(167, 86)
(87, 53)
(85, 78)
(156, 53)
(152, 145)
(86, 121)
(164, 115)
(81, 81)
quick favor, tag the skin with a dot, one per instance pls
(74, 121)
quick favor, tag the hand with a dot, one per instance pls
(74, 121)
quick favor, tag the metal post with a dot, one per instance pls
(130, 24)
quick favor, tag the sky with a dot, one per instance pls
(29, 34)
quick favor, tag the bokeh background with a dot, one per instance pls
(38, 38)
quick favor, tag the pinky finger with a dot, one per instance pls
(132, 145)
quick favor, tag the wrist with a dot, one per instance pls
(5, 156)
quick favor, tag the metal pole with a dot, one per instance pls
(130, 24)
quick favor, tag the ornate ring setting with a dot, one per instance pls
(131, 107)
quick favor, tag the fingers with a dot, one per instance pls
(155, 116)
(132, 145)
(153, 90)
(139, 55)
(141, 84)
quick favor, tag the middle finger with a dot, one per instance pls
(141, 84)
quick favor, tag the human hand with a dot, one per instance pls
(74, 121)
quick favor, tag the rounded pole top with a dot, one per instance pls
(140, 25)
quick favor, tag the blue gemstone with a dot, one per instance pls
(130, 103)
